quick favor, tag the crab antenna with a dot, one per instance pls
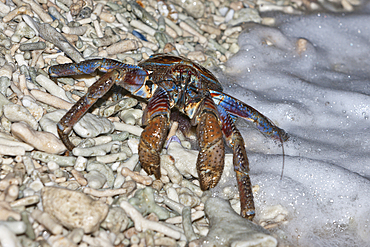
(282, 169)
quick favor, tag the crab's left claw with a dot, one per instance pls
(156, 117)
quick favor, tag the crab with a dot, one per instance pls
(169, 81)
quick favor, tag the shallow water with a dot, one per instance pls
(320, 95)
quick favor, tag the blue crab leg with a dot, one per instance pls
(157, 118)
(132, 79)
(211, 157)
(240, 109)
(241, 164)
(88, 67)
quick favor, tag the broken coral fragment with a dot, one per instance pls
(74, 209)
(227, 228)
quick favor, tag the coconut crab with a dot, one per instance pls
(170, 81)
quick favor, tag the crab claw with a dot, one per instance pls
(156, 117)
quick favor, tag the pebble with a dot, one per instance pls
(8, 238)
(17, 227)
(143, 201)
(131, 116)
(11, 150)
(49, 121)
(26, 201)
(118, 106)
(98, 150)
(95, 179)
(103, 169)
(16, 113)
(10, 142)
(63, 161)
(22, 30)
(123, 46)
(51, 87)
(229, 228)
(110, 158)
(91, 126)
(273, 215)
(116, 220)
(43, 141)
(74, 209)
(34, 108)
(36, 185)
(48, 222)
(184, 159)
(168, 163)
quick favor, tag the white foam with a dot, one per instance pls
(321, 98)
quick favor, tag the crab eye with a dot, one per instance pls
(149, 83)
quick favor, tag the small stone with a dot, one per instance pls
(134, 145)
(185, 160)
(197, 56)
(236, 5)
(91, 126)
(246, 15)
(76, 235)
(43, 141)
(23, 30)
(273, 215)
(125, 103)
(103, 169)
(74, 209)
(195, 8)
(101, 149)
(227, 228)
(189, 200)
(36, 185)
(81, 163)
(46, 157)
(17, 113)
(144, 202)
(95, 179)
(234, 48)
(116, 220)
(61, 241)
(35, 109)
(131, 116)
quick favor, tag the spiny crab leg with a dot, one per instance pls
(156, 116)
(241, 165)
(240, 109)
(211, 157)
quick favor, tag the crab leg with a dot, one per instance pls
(156, 117)
(240, 109)
(129, 77)
(88, 67)
(96, 91)
(241, 164)
(210, 162)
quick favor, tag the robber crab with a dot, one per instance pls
(170, 81)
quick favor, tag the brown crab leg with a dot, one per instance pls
(210, 163)
(241, 164)
(156, 117)
(96, 91)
